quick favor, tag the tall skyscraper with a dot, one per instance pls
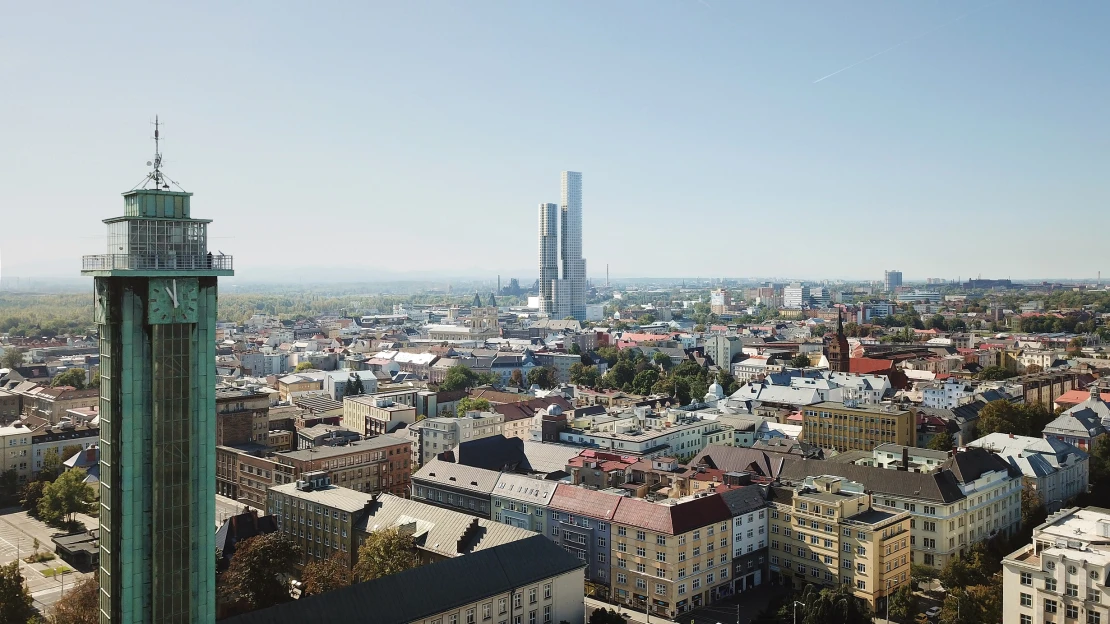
(891, 280)
(155, 309)
(549, 256)
(564, 293)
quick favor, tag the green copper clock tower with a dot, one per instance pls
(155, 310)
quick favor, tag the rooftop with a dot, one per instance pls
(870, 408)
(332, 496)
(371, 444)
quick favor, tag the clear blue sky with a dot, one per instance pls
(420, 136)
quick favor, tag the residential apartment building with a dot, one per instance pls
(857, 426)
(373, 414)
(242, 416)
(380, 464)
(10, 406)
(319, 516)
(580, 521)
(15, 450)
(522, 501)
(455, 486)
(558, 362)
(1062, 575)
(675, 436)
(748, 507)
(478, 587)
(433, 436)
(723, 349)
(826, 531)
(1055, 470)
(671, 556)
(52, 403)
(57, 439)
(947, 395)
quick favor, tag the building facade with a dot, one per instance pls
(155, 310)
(1061, 576)
(847, 427)
(565, 294)
(549, 257)
(380, 464)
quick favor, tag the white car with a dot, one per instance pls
(933, 612)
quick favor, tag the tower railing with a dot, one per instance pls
(156, 262)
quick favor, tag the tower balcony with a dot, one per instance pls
(140, 265)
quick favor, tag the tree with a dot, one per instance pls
(921, 574)
(13, 357)
(385, 552)
(620, 375)
(81, 606)
(727, 381)
(662, 360)
(15, 600)
(1033, 513)
(606, 616)
(354, 386)
(644, 381)
(543, 377)
(31, 495)
(1000, 417)
(458, 377)
(69, 451)
(303, 366)
(995, 373)
(575, 349)
(516, 378)
(256, 576)
(583, 375)
(51, 465)
(1100, 462)
(70, 377)
(324, 576)
(824, 606)
(903, 603)
(609, 354)
(942, 442)
(800, 361)
(819, 330)
(67, 495)
(9, 485)
(488, 379)
(470, 404)
(94, 377)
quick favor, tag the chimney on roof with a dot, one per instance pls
(905, 458)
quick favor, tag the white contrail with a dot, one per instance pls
(914, 38)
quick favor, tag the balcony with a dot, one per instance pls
(156, 262)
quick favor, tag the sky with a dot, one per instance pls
(730, 139)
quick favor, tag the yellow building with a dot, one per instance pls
(826, 532)
(671, 556)
(860, 426)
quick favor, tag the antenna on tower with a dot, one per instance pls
(160, 179)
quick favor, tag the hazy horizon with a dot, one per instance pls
(418, 138)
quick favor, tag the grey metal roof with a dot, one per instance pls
(332, 496)
(743, 500)
(419, 593)
(938, 486)
(371, 444)
(457, 476)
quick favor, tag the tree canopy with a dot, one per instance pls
(12, 358)
(256, 576)
(354, 386)
(583, 375)
(324, 576)
(303, 366)
(995, 373)
(470, 404)
(800, 361)
(1001, 416)
(543, 377)
(942, 442)
(70, 377)
(67, 495)
(833, 606)
(15, 600)
(458, 377)
(81, 606)
(385, 552)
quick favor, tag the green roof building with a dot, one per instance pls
(155, 309)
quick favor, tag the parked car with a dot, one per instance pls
(933, 612)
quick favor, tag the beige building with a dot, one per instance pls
(671, 556)
(432, 436)
(374, 415)
(826, 531)
(52, 403)
(15, 450)
(292, 385)
(1061, 576)
(860, 426)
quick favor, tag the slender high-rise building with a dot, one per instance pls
(571, 297)
(549, 256)
(155, 310)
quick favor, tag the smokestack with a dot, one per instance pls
(905, 459)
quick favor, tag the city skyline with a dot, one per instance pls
(564, 295)
(970, 135)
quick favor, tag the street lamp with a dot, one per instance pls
(795, 609)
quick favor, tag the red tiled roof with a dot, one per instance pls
(1075, 397)
(584, 502)
(672, 519)
(869, 365)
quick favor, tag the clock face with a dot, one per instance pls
(172, 300)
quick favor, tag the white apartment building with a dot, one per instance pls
(1054, 469)
(795, 296)
(432, 436)
(950, 394)
(680, 438)
(1061, 577)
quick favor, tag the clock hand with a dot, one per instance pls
(173, 296)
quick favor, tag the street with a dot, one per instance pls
(18, 532)
(725, 611)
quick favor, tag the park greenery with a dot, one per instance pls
(1002, 416)
(321, 576)
(471, 404)
(256, 576)
(385, 552)
(81, 606)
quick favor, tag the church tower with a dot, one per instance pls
(837, 351)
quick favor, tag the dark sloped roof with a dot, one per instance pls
(584, 502)
(672, 519)
(392, 599)
(970, 464)
(740, 459)
(743, 500)
(493, 453)
(940, 486)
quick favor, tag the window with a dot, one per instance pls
(470, 616)
(622, 579)
(1049, 605)
(532, 596)
(1027, 579)
(641, 535)
(516, 600)
(501, 605)
(1025, 619)
(1071, 589)
(709, 579)
(1071, 612)
(547, 614)
(1093, 595)
(641, 583)
(661, 589)
(486, 611)
(1050, 584)
(696, 583)
(641, 568)
(661, 556)
(1094, 617)
(660, 572)
(640, 552)
(661, 540)
(1026, 600)
(681, 588)
(861, 584)
(861, 567)
(622, 531)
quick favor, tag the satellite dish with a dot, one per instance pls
(148, 163)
